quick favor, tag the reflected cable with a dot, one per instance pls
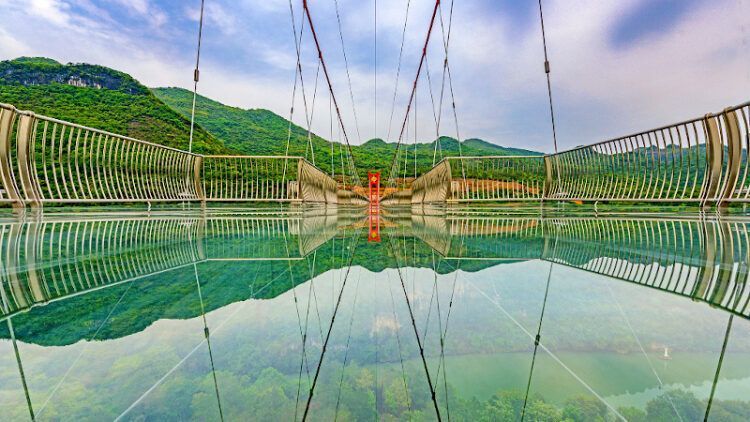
(538, 338)
(348, 342)
(549, 352)
(640, 345)
(718, 367)
(398, 342)
(416, 332)
(191, 353)
(330, 329)
(207, 335)
(20, 369)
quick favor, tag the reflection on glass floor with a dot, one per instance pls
(294, 315)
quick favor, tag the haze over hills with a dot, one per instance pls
(114, 101)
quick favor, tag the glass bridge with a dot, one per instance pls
(289, 312)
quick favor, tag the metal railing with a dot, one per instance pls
(49, 161)
(702, 160)
(243, 178)
(497, 178)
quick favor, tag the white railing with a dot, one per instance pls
(49, 161)
(702, 161)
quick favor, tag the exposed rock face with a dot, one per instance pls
(31, 71)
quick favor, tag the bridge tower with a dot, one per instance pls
(373, 181)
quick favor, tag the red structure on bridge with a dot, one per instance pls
(373, 181)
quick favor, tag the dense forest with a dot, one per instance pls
(261, 132)
(98, 97)
(110, 100)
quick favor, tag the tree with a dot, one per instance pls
(663, 408)
(585, 408)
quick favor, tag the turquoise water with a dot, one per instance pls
(290, 314)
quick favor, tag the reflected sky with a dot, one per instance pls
(295, 315)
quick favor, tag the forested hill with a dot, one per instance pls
(99, 97)
(258, 131)
(114, 101)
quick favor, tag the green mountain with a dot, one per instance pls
(258, 131)
(110, 100)
(99, 97)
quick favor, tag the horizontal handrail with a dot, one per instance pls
(104, 132)
(281, 157)
(702, 160)
(685, 122)
(44, 160)
(479, 157)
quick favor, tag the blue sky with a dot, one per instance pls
(617, 66)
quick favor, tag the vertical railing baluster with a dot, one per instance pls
(8, 117)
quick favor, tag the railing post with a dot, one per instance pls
(300, 172)
(707, 271)
(734, 144)
(7, 118)
(197, 179)
(714, 160)
(547, 190)
(25, 145)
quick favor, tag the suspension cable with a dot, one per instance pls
(346, 66)
(196, 76)
(297, 76)
(309, 116)
(446, 64)
(416, 78)
(446, 42)
(398, 75)
(333, 153)
(547, 72)
(330, 86)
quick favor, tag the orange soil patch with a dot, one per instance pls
(487, 185)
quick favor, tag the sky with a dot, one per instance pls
(618, 67)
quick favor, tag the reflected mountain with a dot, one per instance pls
(293, 315)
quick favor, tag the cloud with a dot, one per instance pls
(10, 46)
(698, 63)
(146, 9)
(54, 11)
(217, 15)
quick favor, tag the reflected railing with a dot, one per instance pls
(54, 259)
(46, 161)
(705, 260)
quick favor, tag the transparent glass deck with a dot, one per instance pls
(291, 314)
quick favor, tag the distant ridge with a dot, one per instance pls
(259, 131)
(111, 100)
